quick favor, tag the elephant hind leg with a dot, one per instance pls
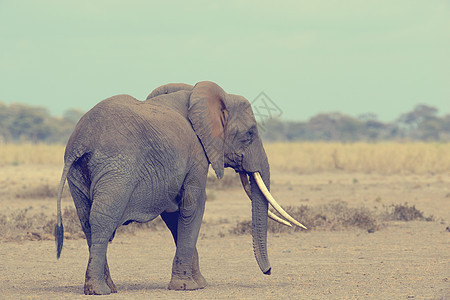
(106, 212)
(98, 287)
(108, 279)
(83, 205)
(97, 281)
(98, 278)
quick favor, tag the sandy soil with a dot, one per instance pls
(404, 260)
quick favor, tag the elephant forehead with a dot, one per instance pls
(242, 118)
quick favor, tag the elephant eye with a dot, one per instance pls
(249, 135)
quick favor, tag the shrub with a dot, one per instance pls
(339, 216)
(404, 212)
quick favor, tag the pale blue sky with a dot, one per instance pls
(307, 56)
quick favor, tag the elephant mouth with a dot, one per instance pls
(234, 161)
(262, 187)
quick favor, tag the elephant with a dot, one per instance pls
(131, 161)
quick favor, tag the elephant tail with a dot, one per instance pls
(59, 228)
(71, 155)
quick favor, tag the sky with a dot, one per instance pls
(307, 57)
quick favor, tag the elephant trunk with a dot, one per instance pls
(255, 160)
(256, 167)
(259, 225)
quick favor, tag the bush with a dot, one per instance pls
(338, 215)
(21, 224)
(404, 212)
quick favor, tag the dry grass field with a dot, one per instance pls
(378, 218)
(31, 154)
(383, 157)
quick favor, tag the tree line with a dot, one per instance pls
(421, 124)
(23, 123)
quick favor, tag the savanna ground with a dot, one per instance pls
(378, 218)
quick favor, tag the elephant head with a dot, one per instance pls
(227, 129)
(169, 88)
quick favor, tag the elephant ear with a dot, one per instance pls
(169, 88)
(208, 116)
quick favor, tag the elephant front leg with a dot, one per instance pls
(198, 277)
(171, 220)
(182, 278)
(185, 277)
(185, 271)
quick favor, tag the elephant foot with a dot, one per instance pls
(94, 287)
(201, 281)
(111, 285)
(109, 281)
(184, 284)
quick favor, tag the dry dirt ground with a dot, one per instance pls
(402, 260)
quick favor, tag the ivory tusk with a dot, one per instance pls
(272, 201)
(271, 215)
(278, 219)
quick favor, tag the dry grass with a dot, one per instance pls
(229, 180)
(383, 157)
(21, 225)
(18, 154)
(41, 191)
(386, 158)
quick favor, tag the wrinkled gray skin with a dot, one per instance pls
(130, 160)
